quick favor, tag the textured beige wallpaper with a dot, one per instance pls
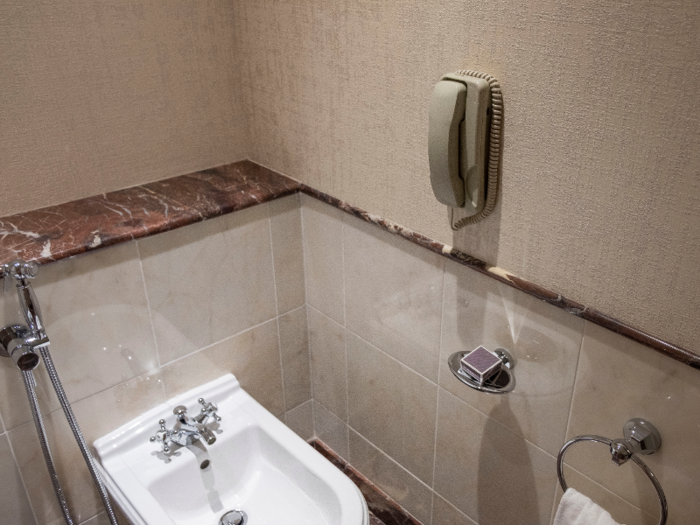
(601, 168)
(97, 96)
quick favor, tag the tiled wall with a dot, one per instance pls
(384, 314)
(345, 335)
(135, 324)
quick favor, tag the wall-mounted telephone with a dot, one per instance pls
(458, 136)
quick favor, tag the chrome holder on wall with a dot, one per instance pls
(641, 438)
(502, 383)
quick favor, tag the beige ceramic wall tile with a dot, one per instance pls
(102, 519)
(619, 379)
(394, 295)
(392, 406)
(252, 356)
(209, 281)
(328, 363)
(323, 257)
(331, 430)
(288, 252)
(621, 510)
(77, 484)
(444, 513)
(14, 504)
(96, 316)
(404, 488)
(105, 411)
(13, 397)
(296, 366)
(488, 472)
(544, 340)
(301, 420)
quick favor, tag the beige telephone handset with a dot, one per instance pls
(459, 124)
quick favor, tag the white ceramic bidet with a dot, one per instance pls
(255, 465)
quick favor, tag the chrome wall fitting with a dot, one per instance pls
(13, 344)
(22, 272)
(501, 383)
(21, 343)
(641, 438)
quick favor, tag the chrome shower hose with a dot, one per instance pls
(30, 386)
(68, 411)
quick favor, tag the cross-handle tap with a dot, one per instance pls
(208, 411)
(186, 431)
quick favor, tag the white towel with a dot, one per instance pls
(577, 509)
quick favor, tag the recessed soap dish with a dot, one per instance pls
(500, 383)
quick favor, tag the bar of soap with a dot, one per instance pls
(481, 364)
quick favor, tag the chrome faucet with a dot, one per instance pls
(20, 342)
(187, 430)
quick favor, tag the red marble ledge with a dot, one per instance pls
(383, 509)
(54, 233)
(676, 352)
(61, 231)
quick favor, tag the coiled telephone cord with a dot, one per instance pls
(494, 151)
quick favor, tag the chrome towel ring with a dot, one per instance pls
(641, 437)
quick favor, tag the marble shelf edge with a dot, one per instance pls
(64, 230)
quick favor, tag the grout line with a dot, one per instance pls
(279, 350)
(272, 259)
(437, 400)
(342, 267)
(148, 305)
(571, 408)
(576, 380)
(306, 307)
(99, 513)
(437, 495)
(277, 307)
(220, 341)
(431, 517)
(499, 423)
(345, 332)
(2, 422)
(391, 459)
(374, 346)
(59, 409)
(21, 476)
